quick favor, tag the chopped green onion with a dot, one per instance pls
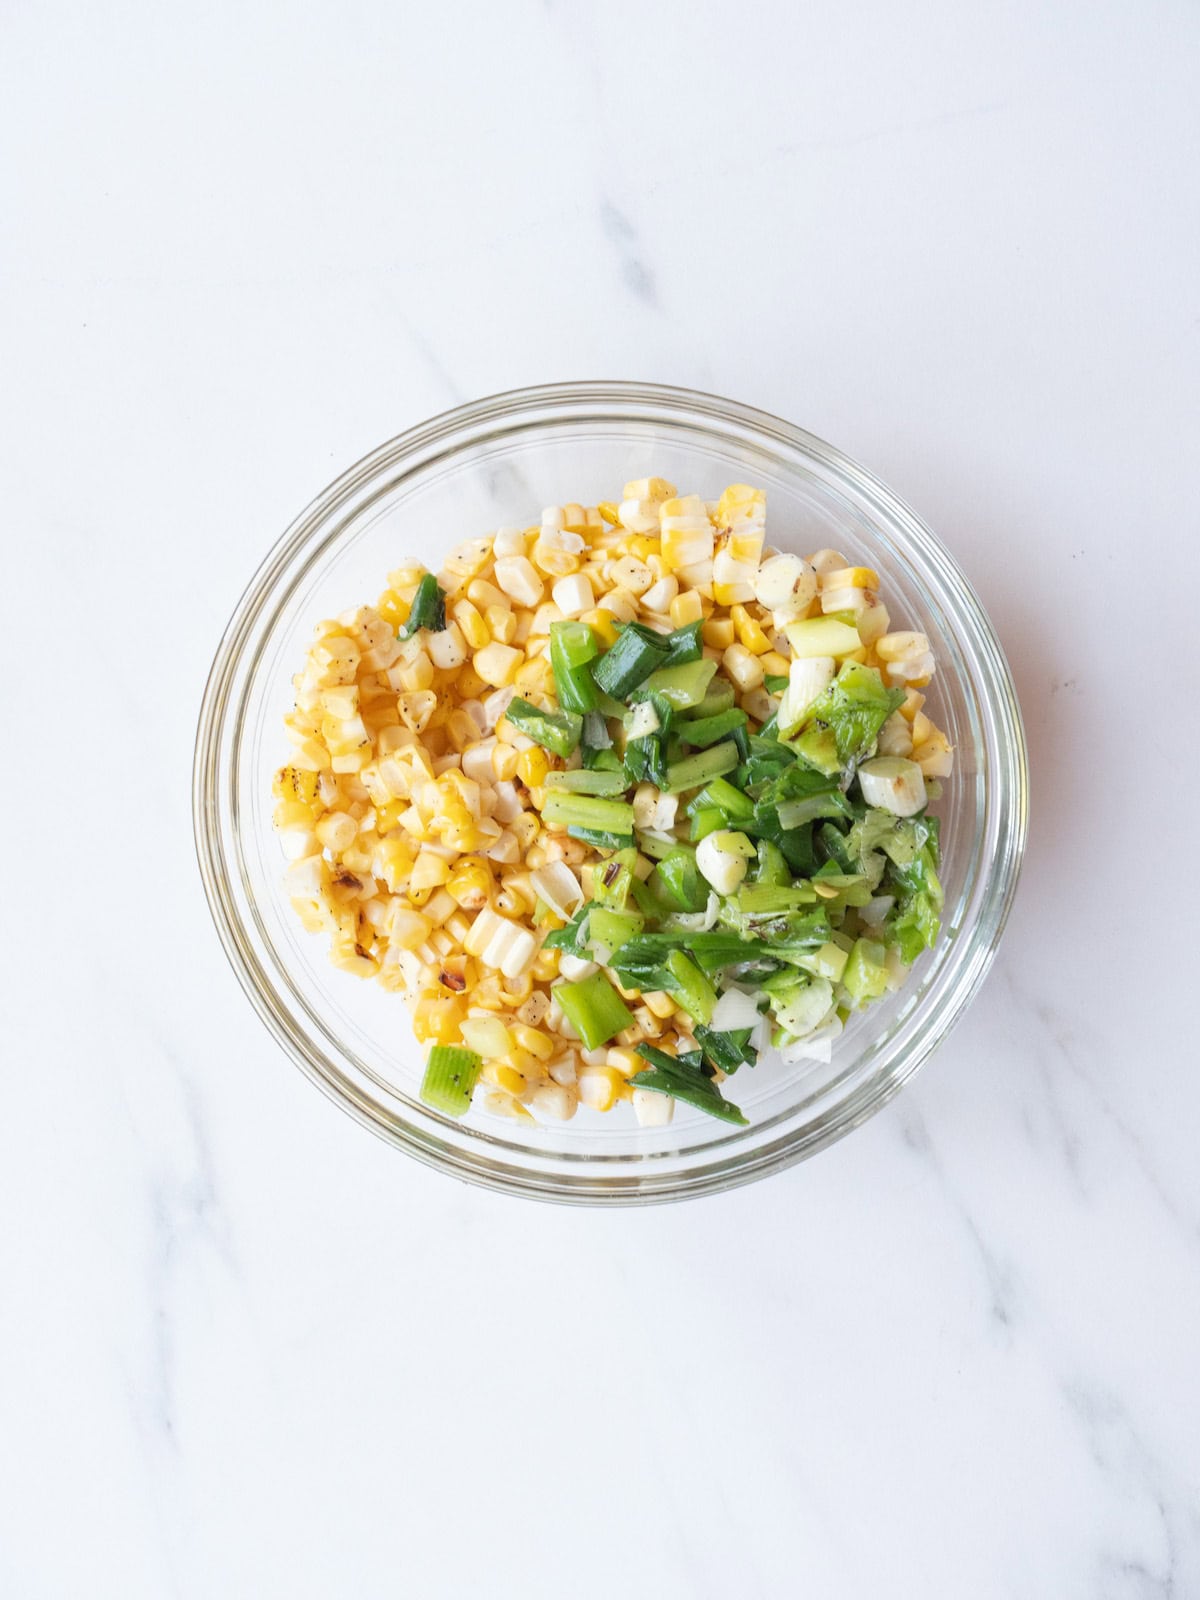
(594, 1009)
(706, 821)
(684, 644)
(689, 986)
(775, 682)
(694, 771)
(725, 798)
(684, 1080)
(711, 730)
(657, 847)
(573, 936)
(720, 697)
(573, 646)
(600, 838)
(682, 686)
(428, 609)
(450, 1075)
(637, 653)
(556, 731)
(587, 811)
(585, 781)
(680, 880)
(609, 930)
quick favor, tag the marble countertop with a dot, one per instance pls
(248, 1350)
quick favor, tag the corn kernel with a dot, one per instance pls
(538, 1044)
(718, 632)
(474, 629)
(438, 1021)
(533, 767)
(545, 966)
(685, 609)
(497, 664)
(744, 668)
(749, 632)
(602, 623)
(429, 871)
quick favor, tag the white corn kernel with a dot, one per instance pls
(573, 595)
(518, 578)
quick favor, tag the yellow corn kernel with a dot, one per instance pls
(501, 1076)
(437, 1021)
(526, 827)
(901, 646)
(392, 608)
(504, 759)
(501, 623)
(625, 1061)
(603, 622)
(749, 632)
(534, 677)
(911, 704)
(778, 666)
(685, 608)
(416, 675)
(406, 576)
(609, 513)
(497, 664)
(408, 929)
(350, 956)
(545, 966)
(468, 560)
(468, 685)
(292, 783)
(533, 767)
(660, 1003)
(850, 578)
(718, 632)
(474, 628)
(600, 1087)
(538, 1044)
(429, 872)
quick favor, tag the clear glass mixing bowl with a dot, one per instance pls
(499, 461)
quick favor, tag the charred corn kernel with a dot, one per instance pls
(437, 1021)
(474, 628)
(533, 767)
(718, 632)
(497, 664)
(749, 632)
(685, 609)
(470, 883)
(539, 1045)
(545, 966)
(292, 783)
(602, 622)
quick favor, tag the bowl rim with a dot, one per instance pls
(611, 396)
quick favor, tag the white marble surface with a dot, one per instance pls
(246, 1349)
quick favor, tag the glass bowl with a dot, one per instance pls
(499, 461)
